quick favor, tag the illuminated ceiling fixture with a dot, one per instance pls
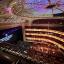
(19, 8)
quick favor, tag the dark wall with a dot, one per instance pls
(11, 35)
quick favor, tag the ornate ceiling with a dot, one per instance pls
(31, 8)
(41, 7)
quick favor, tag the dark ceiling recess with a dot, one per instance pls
(51, 6)
(59, 14)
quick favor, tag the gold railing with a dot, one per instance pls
(54, 36)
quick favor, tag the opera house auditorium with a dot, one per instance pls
(31, 31)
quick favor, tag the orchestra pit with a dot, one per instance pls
(31, 31)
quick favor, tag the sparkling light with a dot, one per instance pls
(47, 40)
(55, 37)
(46, 30)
